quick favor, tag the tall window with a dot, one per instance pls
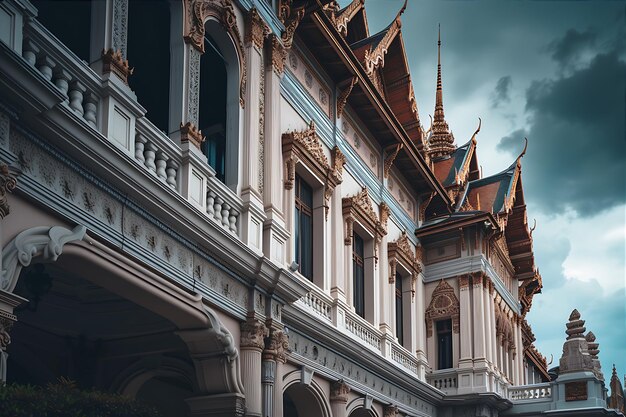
(358, 275)
(399, 321)
(444, 344)
(304, 227)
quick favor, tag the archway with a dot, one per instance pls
(94, 312)
(303, 400)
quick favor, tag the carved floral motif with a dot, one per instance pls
(276, 346)
(443, 304)
(401, 250)
(253, 333)
(342, 99)
(256, 29)
(339, 391)
(359, 207)
(7, 185)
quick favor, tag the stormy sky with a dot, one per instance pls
(553, 72)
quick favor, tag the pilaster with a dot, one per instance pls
(109, 34)
(465, 322)
(339, 280)
(253, 333)
(274, 356)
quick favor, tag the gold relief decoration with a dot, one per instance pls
(359, 207)
(190, 133)
(253, 333)
(290, 17)
(342, 99)
(375, 58)
(7, 184)
(401, 251)
(304, 146)
(277, 54)
(341, 21)
(421, 215)
(464, 282)
(276, 346)
(256, 29)
(113, 61)
(349, 228)
(339, 391)
(197, 12)
(390, 158)
(443, 304)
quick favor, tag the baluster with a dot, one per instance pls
(62, 80)
(45, 66)
(30, 52)
(161, 162)
(225, 212)
(76, 97)
(150, 154)
(171, 171)
(232, 220)
(90, 106)
(218, 208)
(140, 143)
(210, 202)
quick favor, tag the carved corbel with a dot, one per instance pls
(390, 158)
(7, 184)
(349, 225)
(290, 170)
(6, 324)
(291, 18)
(390, 411)
(423, 206)
(342, 99)
(256, 29)
(392, 270)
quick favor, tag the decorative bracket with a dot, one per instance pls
(343, 96)
(390, 158)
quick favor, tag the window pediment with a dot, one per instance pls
(359, 207)
(443, 304)
(401, 251)
(305, 147)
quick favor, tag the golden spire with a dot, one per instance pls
(441, 140)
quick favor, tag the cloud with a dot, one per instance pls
(569, 49)
(501, 93)
(577, 148)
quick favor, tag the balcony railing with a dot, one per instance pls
(362, 330)
(318, 304)
(536, 392)
(445, 380)
(404, 358)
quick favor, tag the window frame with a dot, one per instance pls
(449, 344)
(303, 208)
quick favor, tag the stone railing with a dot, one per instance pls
(317, 303)
(73, 78)
(403, 357)
(222, 205)
(363, 330)
(445, 380)
(536, 392)
(156, 152)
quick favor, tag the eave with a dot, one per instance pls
(456, 224)
(331, 48)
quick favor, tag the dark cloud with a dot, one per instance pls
(568, 49)
(577, 145)
(501, 93)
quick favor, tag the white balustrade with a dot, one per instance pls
(223, 205)
(315, 303)
(362, 330)
(445, 380)
(403, 357)
(536, 392)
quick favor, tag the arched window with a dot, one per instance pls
(219, 105)
(149, 55)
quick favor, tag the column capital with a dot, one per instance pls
(339, 391)
(253, 333)
(276, 347)
(256, 29)
(390, 411)
(277, 54)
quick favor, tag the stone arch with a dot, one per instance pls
(361, 407)
(311, 399)
(210, 345)
(198, 12)
(130, 380)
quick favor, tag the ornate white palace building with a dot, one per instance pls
(232, 207)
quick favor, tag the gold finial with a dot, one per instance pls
(480, 122)
(441, 140)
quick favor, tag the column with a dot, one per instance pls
(109, 31)
(487, 320)
(275, 233)
(465, 322)
(492, 319)
(339, 391)
(479, 322)
(253, 333)
(253, 134)
(339, 280)
(386, 292)
(274, 356)
(419, 327)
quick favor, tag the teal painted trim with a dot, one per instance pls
(300, 100)
(266, 12)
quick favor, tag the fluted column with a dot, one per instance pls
(274, 356)
(339, 391)
(253, 333)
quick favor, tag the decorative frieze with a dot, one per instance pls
(7, 184)
(443, 304)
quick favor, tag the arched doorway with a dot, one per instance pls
(300, 400)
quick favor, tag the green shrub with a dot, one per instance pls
(64, 399)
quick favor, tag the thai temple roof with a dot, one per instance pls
(453, 169)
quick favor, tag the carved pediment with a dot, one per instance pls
(401, 251)
(305, 147)
(443, 304)
(359, 207)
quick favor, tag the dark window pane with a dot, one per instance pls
(444, 344)
(358, 275)
(304, 227)
(399, 319)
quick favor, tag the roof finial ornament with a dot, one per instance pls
(441, 140)
(480, 122)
